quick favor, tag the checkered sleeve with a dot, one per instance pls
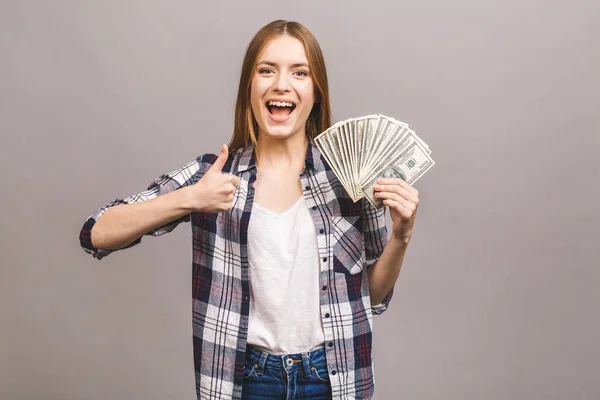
(165, 183)
(375, 239)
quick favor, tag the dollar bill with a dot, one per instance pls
(336, 146)
(421, 142)
(361, 150)
(348, 157)
(359, 129)
(390, 142)
(332, 157)
(372, 132)
(411, 165)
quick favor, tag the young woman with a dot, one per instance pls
(287, 270)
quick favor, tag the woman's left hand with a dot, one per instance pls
(403, 201)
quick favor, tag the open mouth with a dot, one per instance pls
(280, 109)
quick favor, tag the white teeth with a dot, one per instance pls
(281, 104)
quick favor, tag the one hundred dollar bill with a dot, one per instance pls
(361, 150)
(410, 166)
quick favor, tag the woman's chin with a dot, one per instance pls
(280, 132)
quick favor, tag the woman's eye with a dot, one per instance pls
(301, 73)
(265, 71)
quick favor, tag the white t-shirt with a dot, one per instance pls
(285, 315)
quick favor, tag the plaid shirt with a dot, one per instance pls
(351, 237)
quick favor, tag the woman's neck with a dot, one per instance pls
(281, 154)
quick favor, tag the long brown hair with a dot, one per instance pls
(245, 129)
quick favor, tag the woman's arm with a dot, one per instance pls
(168, 200)
(122, 224)
(384, 273)
(403, 201)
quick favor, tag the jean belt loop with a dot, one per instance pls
(262, 362)
(306, 364)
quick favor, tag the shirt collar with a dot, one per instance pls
(246, 159)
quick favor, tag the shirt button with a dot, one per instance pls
(321, 231)
(324, 259)
(327, 315)
(324, 287)
(314, 207)
(333, 372)
(330, 344)
(307, 188)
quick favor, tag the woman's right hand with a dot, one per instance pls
(215, 191)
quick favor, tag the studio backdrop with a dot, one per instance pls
(498, 296)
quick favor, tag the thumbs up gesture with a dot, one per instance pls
(215, 191)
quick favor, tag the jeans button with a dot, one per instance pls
(289, 362)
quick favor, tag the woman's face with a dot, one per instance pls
(282, 90)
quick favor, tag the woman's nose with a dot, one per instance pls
(282, 83)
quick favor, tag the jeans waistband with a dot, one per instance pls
(289, 362)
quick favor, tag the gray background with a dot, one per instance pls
(498, 298)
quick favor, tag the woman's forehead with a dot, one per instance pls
(283, 50)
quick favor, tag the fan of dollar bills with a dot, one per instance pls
(362, 150)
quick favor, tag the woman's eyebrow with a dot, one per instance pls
(272, 64)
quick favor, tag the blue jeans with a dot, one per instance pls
(290, 376)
